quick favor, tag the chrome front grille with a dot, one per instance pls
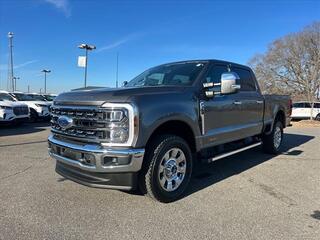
(89, 124)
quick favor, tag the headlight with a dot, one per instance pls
(40, 105)
(120, 124)
(116, 115)
(5, 107)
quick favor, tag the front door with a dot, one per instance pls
(220, 114)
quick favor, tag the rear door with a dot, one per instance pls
(307, 110)
(251, 103)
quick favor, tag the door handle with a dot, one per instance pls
(202, 108)
(237, 102)
(259, 102)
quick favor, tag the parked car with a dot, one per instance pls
(152, 132)
(302, 110)
(39, 107)
(12, 112)
(49, 97)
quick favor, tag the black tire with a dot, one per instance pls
(317, 117)
(33, 116)
(269, 144)
(150, 182)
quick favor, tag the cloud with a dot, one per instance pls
(119, 42)
(62, 5)
(17, 66)
(24, 64)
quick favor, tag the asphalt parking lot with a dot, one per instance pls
(247, 196)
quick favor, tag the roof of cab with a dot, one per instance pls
(212, 61)
(3, 91)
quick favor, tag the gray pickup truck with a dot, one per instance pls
(151, 133)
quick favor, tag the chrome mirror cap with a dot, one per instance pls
(229, 83)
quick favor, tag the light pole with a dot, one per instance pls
(117, 72)
(15, 83)
(10, 69)
(87, 47)
(45, 71)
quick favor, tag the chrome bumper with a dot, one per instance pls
(99, 153)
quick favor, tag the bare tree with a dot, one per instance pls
(291, 65)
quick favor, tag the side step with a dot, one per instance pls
(223, 155)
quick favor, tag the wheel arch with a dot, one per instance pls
(279, 115)
(176, 127)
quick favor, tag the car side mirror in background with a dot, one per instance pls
(124, 83)
(229, 83)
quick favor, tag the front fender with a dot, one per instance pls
(157, 110)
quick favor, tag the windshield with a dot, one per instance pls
(178, 74)
(37, 97)
(28, 97)
(49, 97)
(6, 97)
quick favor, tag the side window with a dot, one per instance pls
(246, 81)
(182, 79)
(316, 105)
(155, 79)
(307, 105)
(298, 105)
(214, 74)
(5, 96)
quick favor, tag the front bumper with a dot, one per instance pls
(70, 164)
(9, 117)
(43, 112)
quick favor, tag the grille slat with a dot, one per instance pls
(88, 124)
(21, 110)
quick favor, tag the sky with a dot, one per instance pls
(143, 33)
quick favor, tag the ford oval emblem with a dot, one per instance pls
(65, 122)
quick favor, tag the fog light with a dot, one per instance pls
(89, 159)
(115, 161)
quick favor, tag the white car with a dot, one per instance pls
(12, 111)
(39, 107)
(49, 97)
(302, 110)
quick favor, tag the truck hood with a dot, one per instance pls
(117, 95)
(36, 102)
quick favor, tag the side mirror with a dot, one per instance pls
(228, 83)
(124, 83)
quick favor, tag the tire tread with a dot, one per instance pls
(146, 177)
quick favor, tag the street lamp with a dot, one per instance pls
(87, 47)
(45, 71)
(15, 83)
(11, 75)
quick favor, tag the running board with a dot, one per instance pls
(223, 155)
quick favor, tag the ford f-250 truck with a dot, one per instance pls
(152, 132)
